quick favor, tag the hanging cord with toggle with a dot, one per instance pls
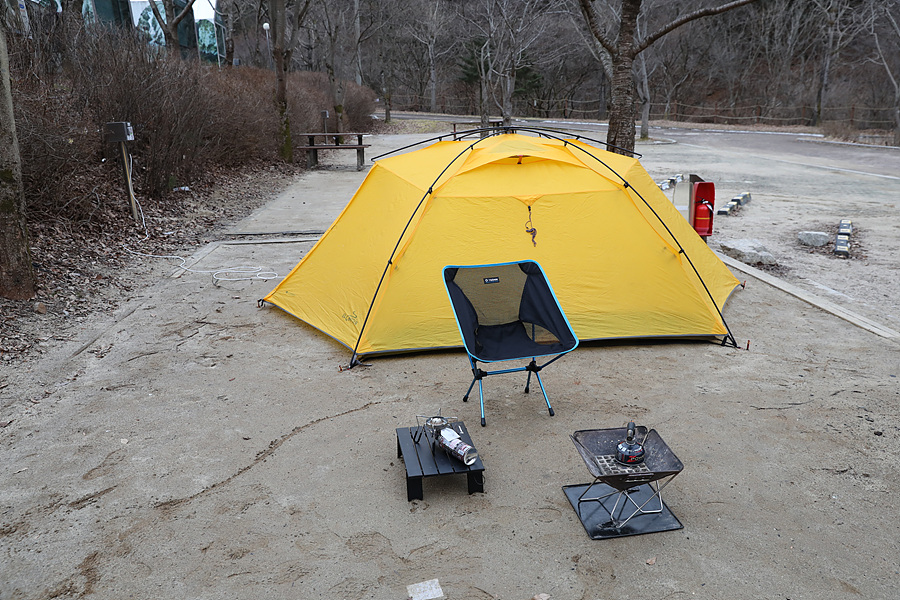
(530, 228)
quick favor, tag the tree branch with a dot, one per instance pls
(183, 13)
(588, 11)
(698, 14)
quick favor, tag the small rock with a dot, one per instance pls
(40, 308)
(813, 238)
(541, 597)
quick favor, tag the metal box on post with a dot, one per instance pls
(119, 131)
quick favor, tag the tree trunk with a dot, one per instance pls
(897, 121)
(644, 94)
(358, 57)
(508, 84)
(16, 272)
(824, 75)
(76, 8)
(482, 103)
(432, 66)
(621, 110)
(483, 91)
(621, 114)
(229, 17)
(279, 24)
(169, 24)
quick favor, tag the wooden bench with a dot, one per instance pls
(424, 459)
(333, 141)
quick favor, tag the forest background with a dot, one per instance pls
(280, 65)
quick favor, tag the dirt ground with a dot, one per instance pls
(188, 444)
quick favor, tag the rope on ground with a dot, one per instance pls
(238, 273)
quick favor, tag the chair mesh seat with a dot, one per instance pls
(496, 342)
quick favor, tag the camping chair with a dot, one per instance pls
(508, 312)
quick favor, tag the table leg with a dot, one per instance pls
(414, 488)
(360, 159)
(475, 479)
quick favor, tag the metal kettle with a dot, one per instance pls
(630, 452)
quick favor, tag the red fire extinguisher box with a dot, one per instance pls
(702, 206)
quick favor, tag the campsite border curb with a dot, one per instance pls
(829, 307)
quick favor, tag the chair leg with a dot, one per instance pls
(546, 399)
(469, 391)
(481, 393)
(528, 383)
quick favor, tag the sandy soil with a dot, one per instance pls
(191, 445)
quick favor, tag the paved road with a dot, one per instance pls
(802, 149)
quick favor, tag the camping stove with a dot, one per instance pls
(445, 437)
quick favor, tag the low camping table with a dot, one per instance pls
(425, 459)
(623, 500)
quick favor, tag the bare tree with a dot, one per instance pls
(336, 19)
(510, 31)
(169, 24)
(286, 22)
(842, 23)
(428, 27)
(16, 272)
(885, 29)
(623, 43)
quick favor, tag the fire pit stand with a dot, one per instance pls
(623, 500)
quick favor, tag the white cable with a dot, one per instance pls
(217, 274)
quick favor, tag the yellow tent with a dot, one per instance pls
(622, 260)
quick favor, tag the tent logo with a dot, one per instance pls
(491, 280)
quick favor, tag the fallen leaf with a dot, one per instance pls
(651, 561)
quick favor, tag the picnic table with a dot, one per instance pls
(424, 459)
(334, 141)
(463, 126)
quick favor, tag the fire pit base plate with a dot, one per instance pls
(597, 522)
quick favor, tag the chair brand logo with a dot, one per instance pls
(492, 280)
